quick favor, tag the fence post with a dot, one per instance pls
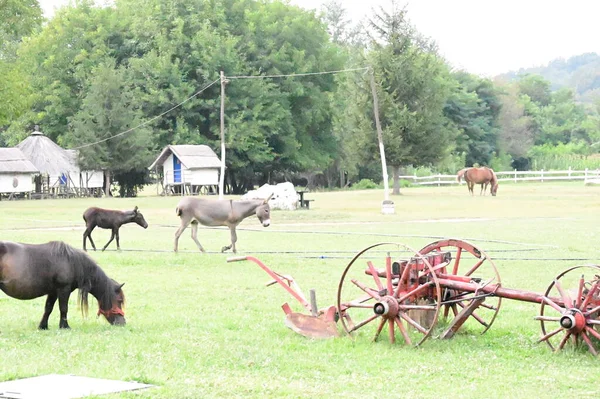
(542, 175)
(414, 177)
(569, 173)
(585, 176)
(515, 175)
(439, 179)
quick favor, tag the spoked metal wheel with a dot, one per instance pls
(391, 289)
(570, 309)
(470, 264)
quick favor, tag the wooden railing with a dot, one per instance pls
(511, 176)
(184, 176)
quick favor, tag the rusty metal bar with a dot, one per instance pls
(498, 291)
(298, 295)
(459, 320)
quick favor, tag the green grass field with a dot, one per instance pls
(199, 327)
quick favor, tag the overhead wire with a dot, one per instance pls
(296, 74)
(208, 86)
(149, 120)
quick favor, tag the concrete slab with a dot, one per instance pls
(57, 386)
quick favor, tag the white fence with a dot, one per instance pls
(512, 176)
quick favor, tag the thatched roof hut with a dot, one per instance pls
(16, 171)
(47, 156)
(12, 160)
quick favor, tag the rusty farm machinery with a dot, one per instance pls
(445, 286)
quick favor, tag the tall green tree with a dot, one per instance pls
(18, 18)
(106, 130)
(413, 84)
(474, 107)
(516, 135)
(59, 61)
(537, 88)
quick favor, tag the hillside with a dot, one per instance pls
(581, 73)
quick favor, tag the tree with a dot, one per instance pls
(413, 84)
(18, 18)
(473, 107)
(516, 136)
(106, 129)
(537, 88)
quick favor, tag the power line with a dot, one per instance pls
(209, 85)
(149, 120)
(297, 74)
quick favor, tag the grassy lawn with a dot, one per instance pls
(199, 327)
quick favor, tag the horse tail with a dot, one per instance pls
(82, 300)
(460, 174)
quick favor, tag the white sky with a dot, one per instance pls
(488, 37)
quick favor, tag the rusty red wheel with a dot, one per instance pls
(570, 309)
(398, 292)
(465, 260)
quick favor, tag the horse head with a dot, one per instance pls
(494, 189)
(139, 218)
(263, 212)
(111, 305)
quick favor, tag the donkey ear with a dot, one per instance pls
(135, 209)
(117, 289)
(268, 198)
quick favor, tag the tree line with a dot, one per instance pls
(91, 73)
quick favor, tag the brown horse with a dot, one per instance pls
(483, 176)
(56, 269)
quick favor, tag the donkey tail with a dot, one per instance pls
(460, 174)
(178, 211)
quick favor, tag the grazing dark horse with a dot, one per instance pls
(56, 269)
(219, 213)
(109, 219)
(483, 176)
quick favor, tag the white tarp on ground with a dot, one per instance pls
(57, 386)
(284, 195)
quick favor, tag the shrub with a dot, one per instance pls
(365, 184)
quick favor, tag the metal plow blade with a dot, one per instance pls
(311, 326)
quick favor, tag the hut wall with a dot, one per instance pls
(92, 179)
(169, 178)
(204, 177)
(24, 183)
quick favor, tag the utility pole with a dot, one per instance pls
(222, 175)
(387, 206)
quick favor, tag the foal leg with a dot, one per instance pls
(50, 301)
(233, 241)
(185, 222)
(195, 235)
(112, 237)
(63, 305)
(117, 237)
(88, 234)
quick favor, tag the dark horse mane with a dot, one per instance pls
(87, 274)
